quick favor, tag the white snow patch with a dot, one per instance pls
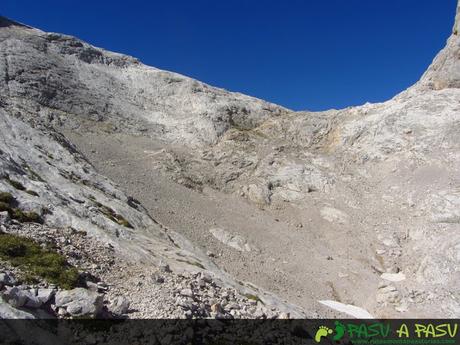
(348, 309)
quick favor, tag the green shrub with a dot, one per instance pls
(6, 197)
(36, 261)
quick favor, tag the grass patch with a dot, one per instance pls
(124, 222)
(19, 186)
(31, 192)
(16, 184)
(6, 204)
(194, 263)
(112, 215)
(25, 217)
(253, 297)
(35, 176)
(36, 261)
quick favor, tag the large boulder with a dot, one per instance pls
(15, 296)
(9, 312)
(235, 241)
(21, 297)
(80, 302)
(119, 306)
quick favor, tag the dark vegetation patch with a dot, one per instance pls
(8, 204)
(31, 192)
(133, 203)
(193, 263)
(6, 197)
(19, 186)
(25, 216)
(16, 184)
(111, 214)
(37, 262)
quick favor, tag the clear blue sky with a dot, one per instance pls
(303, 54)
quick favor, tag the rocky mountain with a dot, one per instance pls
(327, 210)
(48, 177)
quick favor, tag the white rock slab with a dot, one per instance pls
(393, 277)
(348, 309)
(235, 241)
(334, 215)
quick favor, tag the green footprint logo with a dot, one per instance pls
(339, 330)
(322, 331)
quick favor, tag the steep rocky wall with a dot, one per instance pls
(444, 72)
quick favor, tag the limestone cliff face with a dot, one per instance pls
(67, 82)
(444, 72)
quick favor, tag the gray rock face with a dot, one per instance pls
(4, 217)
(81, 76)
(379, 177)
(79, 302)
(70, 192)
(22, 297)
(9, 312)
(15, 296)
(444, 72)
(7, 279)
(45, 295)
(120, 306)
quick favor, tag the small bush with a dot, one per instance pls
(36, 261)
(6, 197)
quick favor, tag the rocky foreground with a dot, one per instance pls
(105, 281)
